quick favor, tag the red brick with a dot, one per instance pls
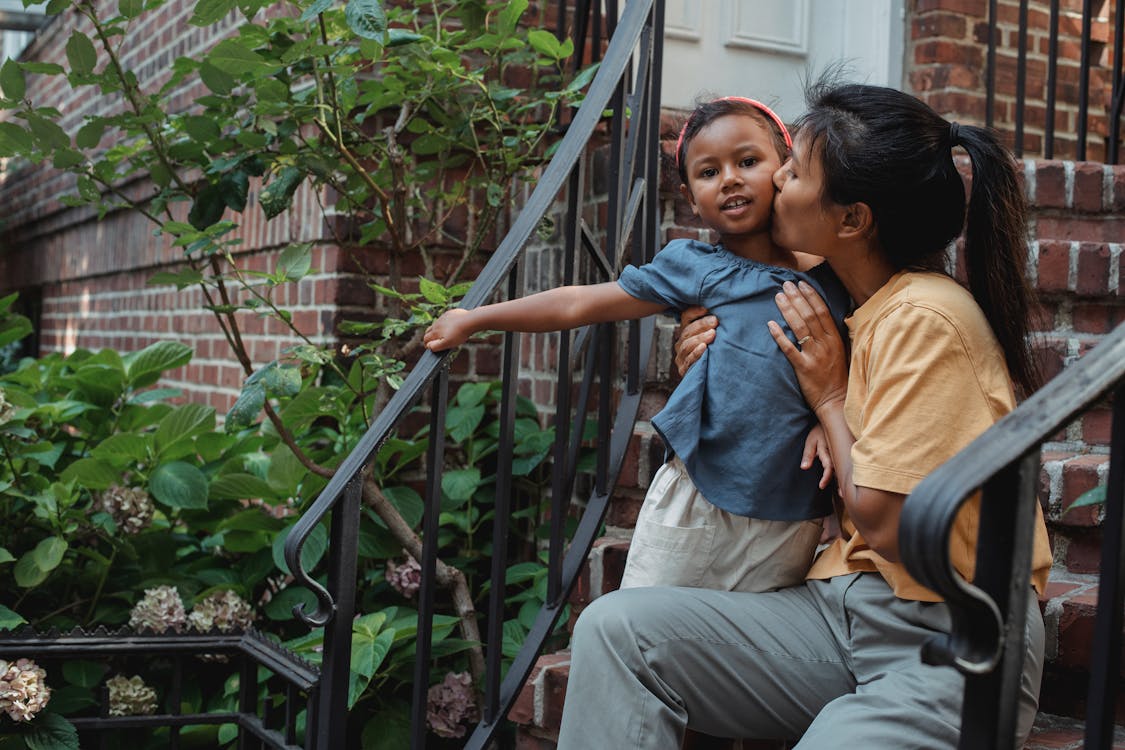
(1096, 426)
(1050, 185)
(930, 25)
(1093, 269)
(1091, 318)
(1082, 229)
(1054, 266)
(1080, 475)
(1088, 180)
(1084, 552)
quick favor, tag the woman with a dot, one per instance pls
(872, 187)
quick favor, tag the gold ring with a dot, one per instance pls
(801, 341)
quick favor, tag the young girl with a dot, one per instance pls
(733, 508)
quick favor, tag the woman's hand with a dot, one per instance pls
(819, 357)
(697, 330)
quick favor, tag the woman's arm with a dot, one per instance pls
(554, 310)
(821, 366)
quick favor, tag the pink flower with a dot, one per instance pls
(23, 689)
(406, 578)
(160, 609)
(451, 705)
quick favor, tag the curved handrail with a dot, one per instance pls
(613, 66)
(975, 642)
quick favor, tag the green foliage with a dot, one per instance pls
(400, 117)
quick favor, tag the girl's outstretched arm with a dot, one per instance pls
(554, 310)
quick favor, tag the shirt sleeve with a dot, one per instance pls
(925, 400)
(673, 278)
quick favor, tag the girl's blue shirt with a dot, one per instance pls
(738, 419)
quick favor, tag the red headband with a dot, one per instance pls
(752, 102)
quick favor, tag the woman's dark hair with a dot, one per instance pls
(707, 112)
(889, 150)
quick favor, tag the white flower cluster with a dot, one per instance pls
(160, 609)
(23, 689)
(223, 610)
(451, 706)
(7, 411)
(130, 507)
(405, 578)
(130, 696)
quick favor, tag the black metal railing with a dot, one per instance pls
(248, 654)
(987, 639)
(1054, 91)
(628, 85)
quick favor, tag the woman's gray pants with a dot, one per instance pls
(835, 663)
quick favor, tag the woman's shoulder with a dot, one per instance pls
(936, 298)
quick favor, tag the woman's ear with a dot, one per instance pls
(857, 222)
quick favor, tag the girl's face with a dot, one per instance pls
(802, 221)
(730, 165)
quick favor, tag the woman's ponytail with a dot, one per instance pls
(996, 249)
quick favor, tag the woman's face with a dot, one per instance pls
(802, 221)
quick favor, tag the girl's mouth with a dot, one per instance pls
(734, 204)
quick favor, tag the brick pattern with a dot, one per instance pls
(945, 52)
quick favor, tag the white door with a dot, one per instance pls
(766, 49)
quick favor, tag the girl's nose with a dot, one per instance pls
(731, 176)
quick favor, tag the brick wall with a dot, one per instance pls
(946, 62)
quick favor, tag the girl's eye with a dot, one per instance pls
(709, 172)
(749, 161)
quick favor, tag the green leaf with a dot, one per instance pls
(182, 280)
(146, 366)
(9, 620)
(90, 134)
(27, 572)
(510, 16)
(545, 43)
(388, 730)
(80, 53)
(130, 8)
(208, 206)
(432, 291)
(471, 394)
(13, 328)
(276, 196)
(84, 673)
(50, 731)
(234, 58)
(317, 7)
(91, 473)
(408, 502)
(397, 37)
(295, 261)
(12, 80)
(234, 187)
(315, 545)
(179, 485)
(462, 421)
(208, 12)
(6, 556)
(366, 19)
(14, 139)
(240, 486)
(218, 81)
(184, 422)
(1095, 496)
(280, 607)
(246, 408)
(460, 484)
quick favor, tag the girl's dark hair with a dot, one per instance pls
(707, 112)
(889, 150)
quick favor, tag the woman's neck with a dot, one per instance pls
(862, 273)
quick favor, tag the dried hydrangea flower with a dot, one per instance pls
(130, 507)
(7, 410)
(405, 578)
(160, 609)
(130, 696)
(222, 610)
(451, 705)
(23, 689)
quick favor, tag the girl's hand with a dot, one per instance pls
(820, 361)
(448, 331)
(697, 330)
(816, 446)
